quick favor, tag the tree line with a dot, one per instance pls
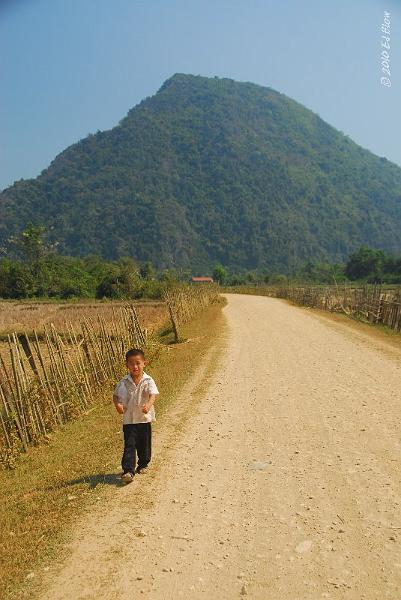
(365, 265)
(33, 268)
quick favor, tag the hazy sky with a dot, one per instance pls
(71, 67)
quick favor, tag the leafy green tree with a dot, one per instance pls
(130, 279)
(366, 263)
(32, 250)
(21, 281)
(169, 276)
(147, 270)
(236, 279)
(319, 272)
(69, 278)
(278, 279)
(32, 244)
(111, 286)
(122, 280)
(219, 274)
(252, 277)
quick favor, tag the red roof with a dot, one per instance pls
(202, 279)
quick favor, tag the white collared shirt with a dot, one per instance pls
(133, 396)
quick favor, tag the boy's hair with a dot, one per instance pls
(134, 352)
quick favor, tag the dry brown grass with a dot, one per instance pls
(25, 317)
(22, 317)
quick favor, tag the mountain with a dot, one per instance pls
(212, 170)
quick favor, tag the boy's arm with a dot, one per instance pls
(151, 400)
(118, 404)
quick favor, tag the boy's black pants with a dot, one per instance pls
(137, 439)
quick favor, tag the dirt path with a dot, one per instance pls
(285, 482)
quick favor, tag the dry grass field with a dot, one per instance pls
(24, 317)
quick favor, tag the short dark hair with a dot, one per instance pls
(134, 352)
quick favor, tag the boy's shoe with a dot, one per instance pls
(127, 477)
(141, 470)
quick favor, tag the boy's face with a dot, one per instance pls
(136, 364)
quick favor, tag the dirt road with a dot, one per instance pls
(283, 483)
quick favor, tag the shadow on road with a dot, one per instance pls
(93, 481)
(96, 479)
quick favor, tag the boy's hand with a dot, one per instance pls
(145, 408)
(120, 408)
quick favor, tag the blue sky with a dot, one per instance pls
(71, 67)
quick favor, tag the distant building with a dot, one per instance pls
(202, 279)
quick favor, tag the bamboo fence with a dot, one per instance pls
(50, 378)
(371, 303)
(184, 302)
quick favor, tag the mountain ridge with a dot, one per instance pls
(212, 170)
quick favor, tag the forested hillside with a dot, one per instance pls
(211, 170)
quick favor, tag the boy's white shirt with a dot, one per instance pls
(134, 396)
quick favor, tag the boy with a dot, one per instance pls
(134, 397)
